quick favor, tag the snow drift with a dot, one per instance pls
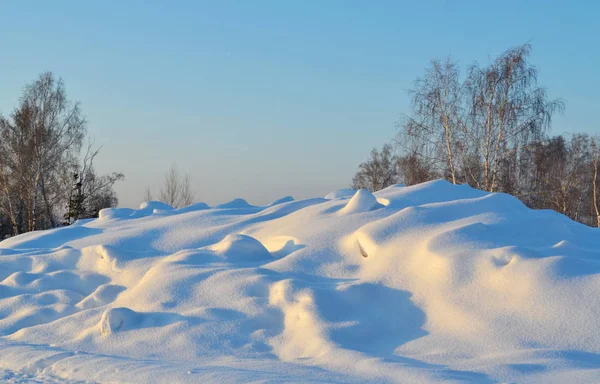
(429, 283)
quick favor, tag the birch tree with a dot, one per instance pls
(40, 145)
(508, 109)
(596, 178)
(434, 125)
(44, 133)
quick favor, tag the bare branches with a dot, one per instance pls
(41, 136)
(148, 194)
(176, 190)
(378, 172)
(507, 107)
(489, 130)
(39, 145)
(466, 130)
(434, 127)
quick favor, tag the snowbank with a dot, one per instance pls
(422, 284)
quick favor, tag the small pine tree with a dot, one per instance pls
(76, 208)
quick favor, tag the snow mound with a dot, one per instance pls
(432, 283)
(283, 200)
(103, 295)
(147, 208)
(341, 193)
(152, 205)
(114, 213)
(362, 201)
(118, 319)
(235, 203)
(192, 208)
(241, 248)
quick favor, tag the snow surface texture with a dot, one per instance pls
(423, 284)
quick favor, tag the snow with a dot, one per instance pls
(341, 193)
(285, 199)
(362, 201)
(118, 319)
(11, 377)
(423, 284)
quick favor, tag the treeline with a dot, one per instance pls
(489, 130)
(47, 175)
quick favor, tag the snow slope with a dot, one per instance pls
(423, 284)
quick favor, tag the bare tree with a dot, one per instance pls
(413, 170)
(148, 194)
(490, 131)
(176, 190)
(40, 145)
(43, 134)
(88, 191)
(508, 109)
(567, 181)
(435, 122)
(98, 192)
(595, 182)
(378, 172)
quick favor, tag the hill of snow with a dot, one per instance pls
(423, 284)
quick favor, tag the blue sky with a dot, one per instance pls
(261, 99)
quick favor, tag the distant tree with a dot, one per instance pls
(99, 193)
(98, 189)
(176, 190)
(412, 169)
(567, 183)
(507, 170)
(378, 172)
(148, 194)
(90, 192)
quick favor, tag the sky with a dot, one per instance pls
(263, 99)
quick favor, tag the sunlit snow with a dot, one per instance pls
(423, 284)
